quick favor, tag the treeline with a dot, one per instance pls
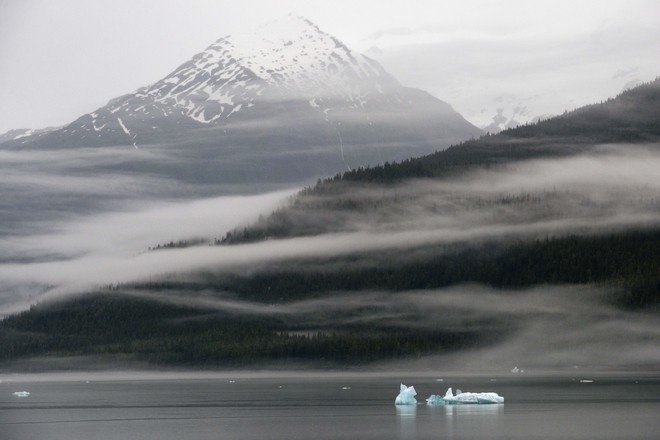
(628, 260)
(179, 244)
(131, 328)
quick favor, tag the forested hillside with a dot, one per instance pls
(405, 260)
(630, 118)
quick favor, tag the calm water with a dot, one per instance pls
(357, 407)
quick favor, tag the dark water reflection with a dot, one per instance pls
(337, 407)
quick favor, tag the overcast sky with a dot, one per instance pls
(60, 59)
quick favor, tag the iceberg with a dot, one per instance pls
(462, 398)
(21, 394)
(406, 396)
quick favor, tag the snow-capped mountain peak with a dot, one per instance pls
(293, 50)
(284, 84)
(289, 58)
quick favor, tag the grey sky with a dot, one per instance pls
(60, 59)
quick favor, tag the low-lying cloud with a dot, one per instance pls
(616, 188)
(541, 328)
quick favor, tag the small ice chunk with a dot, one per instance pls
(21, 394)
(406, 396)
(462, 398)
(434, 399)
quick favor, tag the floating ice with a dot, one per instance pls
(21, 394)
(462, 398)
(406, 396)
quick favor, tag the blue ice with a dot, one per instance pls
(462, 398)
(406, 396)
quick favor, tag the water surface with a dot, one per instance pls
(334, 407)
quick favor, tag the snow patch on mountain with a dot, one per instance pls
(127, 131)
(24, 133)
(27, 132)
(289, 58)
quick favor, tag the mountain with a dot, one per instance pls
(290, 96)
(473, 247)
